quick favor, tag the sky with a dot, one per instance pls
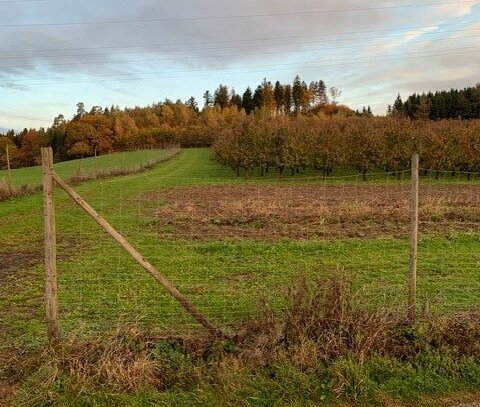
(56, 53)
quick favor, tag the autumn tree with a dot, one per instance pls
(14, 153)
(268, 97)
(221, 97)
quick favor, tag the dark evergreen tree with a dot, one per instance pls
(235, 100)
(297, 91)
(279, 93)
(398, 108)
(258, 97)
(80, 110)
(452, 104)
(288, 99)
(208, 100)
(192, 104)
(247, 101)
(322, 93)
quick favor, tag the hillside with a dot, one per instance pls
(131, 160)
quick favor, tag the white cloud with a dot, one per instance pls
(455, 10)
(411, 35)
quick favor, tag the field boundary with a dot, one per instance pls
(51, 289)
(51, 178)
(9, 191)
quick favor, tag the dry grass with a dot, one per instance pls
(116, 172)
(329, 314)
(323, 326)
(306, 212)
(7, 192)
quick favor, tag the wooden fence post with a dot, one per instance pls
(412, 279)
(53, 331)
(9, 170)
(189, 307)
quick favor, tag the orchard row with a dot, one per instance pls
(324, 143)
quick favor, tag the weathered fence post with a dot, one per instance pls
(53, 331)
(9, 170)
(189, 307)
(412, 279)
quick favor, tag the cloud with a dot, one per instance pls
(455, 9)
(141, 62)
(411, 35)
(197, 41)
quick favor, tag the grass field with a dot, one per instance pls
(100, 286)
(32, 176)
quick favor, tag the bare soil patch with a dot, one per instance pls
(13, 261)
(311, 212)
(6, 393)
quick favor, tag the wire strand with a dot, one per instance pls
(239, 46)
(127, 76)
(310, 13)
(403, 29)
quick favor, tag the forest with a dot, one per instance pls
(286, 126)
(452, 104)
(103, 130)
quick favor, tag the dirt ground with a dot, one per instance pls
(13, 261)
(311, 212)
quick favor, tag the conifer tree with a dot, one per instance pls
(398, 109)
(208, 100)
(279, 92)
(235, 100)
(247, 101)
(258, 97)
(288, 99)
(297, 94)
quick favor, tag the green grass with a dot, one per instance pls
(99, 285)
(366, 384)
(32, 176)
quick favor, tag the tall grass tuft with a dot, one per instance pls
(325, 345)
(8, 193)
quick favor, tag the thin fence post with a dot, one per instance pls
(9, 170)
(53, 331)
(412, 279)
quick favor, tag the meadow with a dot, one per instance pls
(130, 160)
(229, 277)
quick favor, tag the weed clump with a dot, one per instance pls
(7, 192)
(325, 345)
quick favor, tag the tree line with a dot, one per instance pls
(290, 145)
(276, 99)
(452, 104)
(285, 110)
(102, 130)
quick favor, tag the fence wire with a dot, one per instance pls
(233, 245)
